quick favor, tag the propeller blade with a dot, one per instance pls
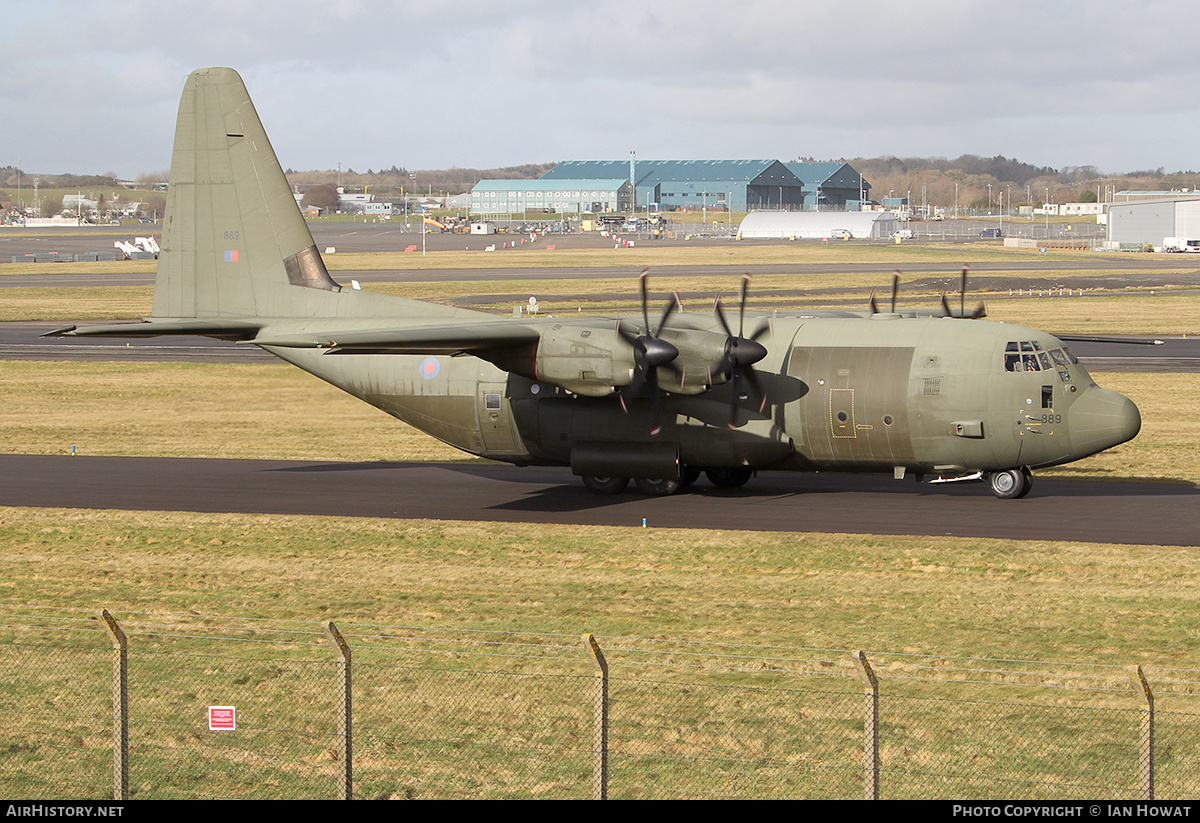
(721, 318)
(666, 313)
(962, 294)
(742, 306)
(895, 289)
(645, 301)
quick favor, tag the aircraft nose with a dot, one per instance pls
(1101, 419)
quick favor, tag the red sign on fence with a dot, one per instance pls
(222, 718)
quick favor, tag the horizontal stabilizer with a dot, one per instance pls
(472, 337)
(226, 329)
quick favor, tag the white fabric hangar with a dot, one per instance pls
(801, 225)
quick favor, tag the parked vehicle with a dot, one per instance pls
(1181, 244)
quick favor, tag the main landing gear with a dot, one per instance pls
(1010, 484)
(661, 487)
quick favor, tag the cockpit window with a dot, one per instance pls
(1028, 355)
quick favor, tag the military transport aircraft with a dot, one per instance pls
(939, 395)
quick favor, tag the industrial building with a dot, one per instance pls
(578, 186)
(738, 185)
(1149, 221)
(831, 186)
(560, 195)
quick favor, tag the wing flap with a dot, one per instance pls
(450, 339)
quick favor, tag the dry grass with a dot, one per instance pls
(269, 411)
(1082, 602)
(649, 254)
(69, 304)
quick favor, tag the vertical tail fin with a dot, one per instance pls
(234, 241)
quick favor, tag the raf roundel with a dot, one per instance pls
(430, 367)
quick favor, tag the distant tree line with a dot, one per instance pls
(390, 182)
(965, 181)
(10, 175)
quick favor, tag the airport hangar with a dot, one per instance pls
(821, 225)
(1148, 221)
(733, 185)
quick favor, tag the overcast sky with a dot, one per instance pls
(90, 87)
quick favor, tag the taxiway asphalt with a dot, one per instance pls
(1126, 512)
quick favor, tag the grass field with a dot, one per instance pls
(950, 596)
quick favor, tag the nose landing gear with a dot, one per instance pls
(1010, 484)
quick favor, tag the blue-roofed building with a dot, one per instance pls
(591, 186)
(739, 185)
(831, 186)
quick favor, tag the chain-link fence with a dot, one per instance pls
(190, 706)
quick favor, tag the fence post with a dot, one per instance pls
(120, 705)
(599, 720)
(1145, 736)
(345, 735)
(870, 728)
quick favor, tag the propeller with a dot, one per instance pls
(977, 312)
(895, 291)
(650, 352)
(741, 353)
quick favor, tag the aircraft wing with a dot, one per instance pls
(449, 339)
(224, 328)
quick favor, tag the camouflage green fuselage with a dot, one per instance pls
(870, 393)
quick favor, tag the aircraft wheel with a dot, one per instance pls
(1010, 484)
(656, 486)
(1028, 480)
(729, 478)
(605, 485)
(688, 476)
